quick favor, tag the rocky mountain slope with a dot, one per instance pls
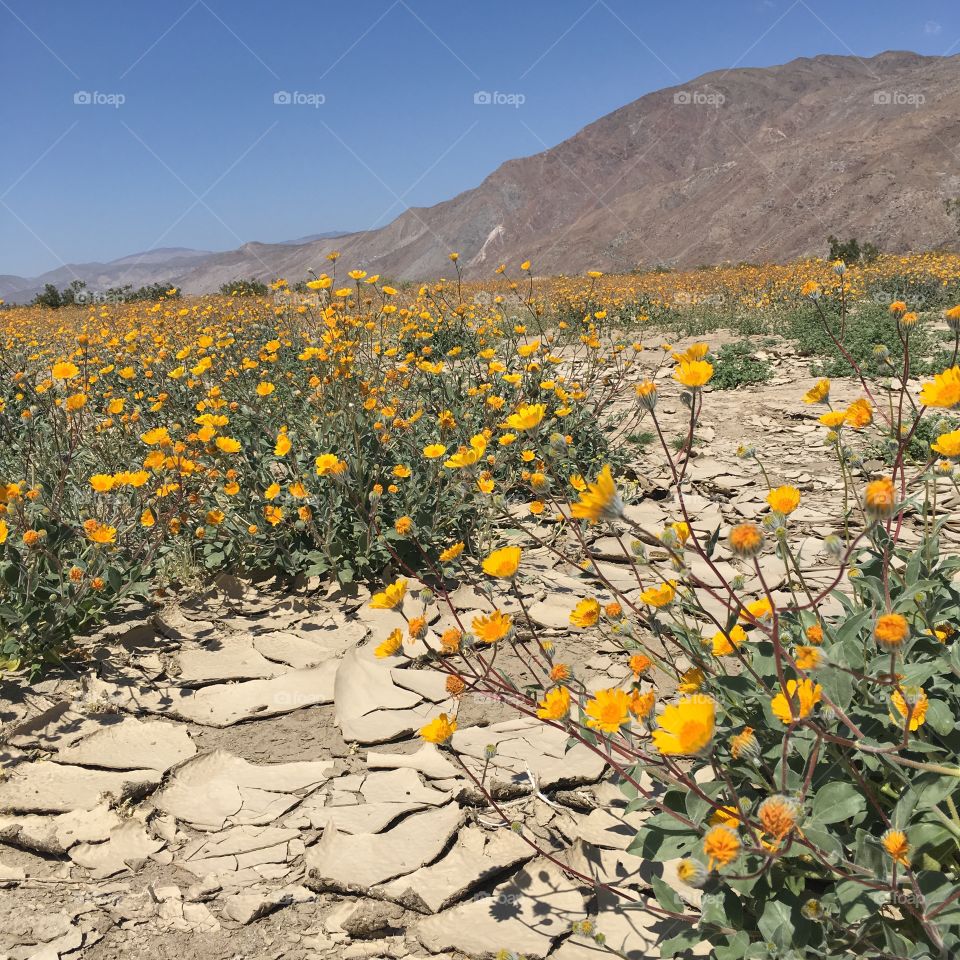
(744, 164)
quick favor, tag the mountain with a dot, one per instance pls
(330, 235)
(139, 269)
(757, 164)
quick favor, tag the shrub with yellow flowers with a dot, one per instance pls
(789, 731)
(326, 434)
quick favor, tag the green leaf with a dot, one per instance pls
(735, 948)
(666, 895)
(683, 941)
(663, 838)
(838, 801)
(818, 835)
(776, 923)
(925, 837)
(940, 719)
(713, 911)
(857, 901)
(936, 887)
(924, 792)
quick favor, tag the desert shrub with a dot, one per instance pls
(735, 365)
(870, 336)
(243, 435)
(151, 292)
(795, 748)
(851, 252)
(244, 288)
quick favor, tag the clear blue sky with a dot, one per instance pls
(199, 155)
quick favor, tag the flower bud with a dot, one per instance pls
(812, 909)
(745, 745)
(692, 872)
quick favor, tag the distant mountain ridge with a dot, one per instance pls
(757, 164)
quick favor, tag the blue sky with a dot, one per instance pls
(199, 154)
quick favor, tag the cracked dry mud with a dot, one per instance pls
(237, 776)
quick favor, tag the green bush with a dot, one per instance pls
(736, 366)
(244, 288)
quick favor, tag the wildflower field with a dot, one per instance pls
(513, 487)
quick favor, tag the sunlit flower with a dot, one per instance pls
(724, 644)
(746, 540)
(833, 419)
(599, 500)
(503, 563)
(693, 373)
(452, 552)
(778, 816)
(756, 611)
(327, 463)
(608, 710)
(642, 704)
(64, 370)
(439, 730)
(450, 640)
(912, 701)
(890, 630)
(586, 613)
(527, 417)
(784, 500)
(859, 414)
(692, 872)
(948, 445)
(691, 680)
(101, 482)
(640, 663)
(228, 444)
(685, 727)
(721, 846)
(744, 745)
(391, 596)
(555, 705)
(944, 392)
(659, 596)
(797, 702)
(490, 629)
(647, 394)
(809, 658)
(818, 392)
(896, 846)
(100, 533)
(880, 498)
(392, 645)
